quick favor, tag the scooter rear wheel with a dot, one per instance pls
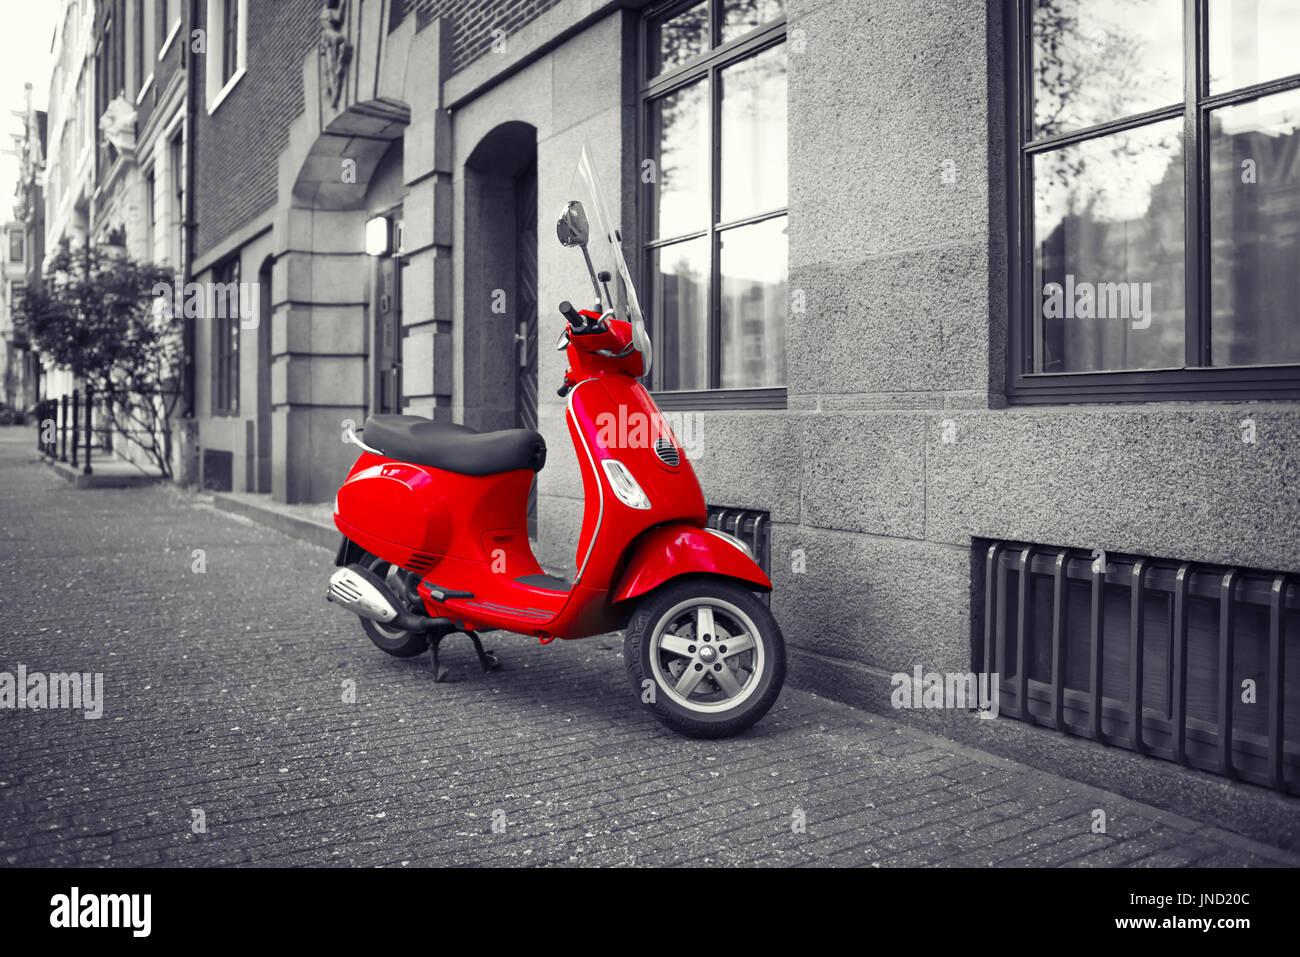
(705, 657)
(393, 641)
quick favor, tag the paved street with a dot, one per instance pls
(224, 693)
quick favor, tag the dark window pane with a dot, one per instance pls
(679, 127)
(1252, 42)
(230, 45)
(1255, 231)
(679, 291)
(754, 135)
(741, 16)
(1099, 60)
(1108, 252)
(755, 298)
(679, 38)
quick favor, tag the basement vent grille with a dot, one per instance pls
(752, 527)
(1182, 661)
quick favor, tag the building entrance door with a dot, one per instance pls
(526, 337)
(386, 303)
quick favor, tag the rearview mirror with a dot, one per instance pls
(572, 227)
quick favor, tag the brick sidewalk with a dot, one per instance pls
(224, 693)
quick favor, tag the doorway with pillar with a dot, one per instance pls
(499, 324)
(357, 331)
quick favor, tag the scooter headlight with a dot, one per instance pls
(624, 485)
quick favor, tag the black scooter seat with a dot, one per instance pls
(454, 448)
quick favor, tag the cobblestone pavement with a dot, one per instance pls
(224, 693)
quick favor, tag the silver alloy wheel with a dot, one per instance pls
(706, 656)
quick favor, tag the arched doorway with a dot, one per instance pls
(499, 346)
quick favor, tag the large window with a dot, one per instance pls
(167, 18)
(110, 62)
(1157, 188)
(16, 246)
(227, 48)
(714, 252)
(176, 170)
(222, 309)
(143, 54)
(229, 40)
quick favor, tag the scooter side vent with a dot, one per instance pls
(420, 561)
(667, 452)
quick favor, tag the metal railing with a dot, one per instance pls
(74, 432)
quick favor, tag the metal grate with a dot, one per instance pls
(1177, 660)
(751, 526)
(667, 452)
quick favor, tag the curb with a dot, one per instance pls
(75, 477)
(295, 526)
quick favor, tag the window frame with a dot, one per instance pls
(1196, 380)
(145, 29)
(218, 85)
(706, 66)
(166, 31)
(176, 187)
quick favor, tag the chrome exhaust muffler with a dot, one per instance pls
(364, 593)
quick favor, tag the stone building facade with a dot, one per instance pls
(833, 218)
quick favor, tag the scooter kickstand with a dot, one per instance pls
(486, 659)
(439, 672)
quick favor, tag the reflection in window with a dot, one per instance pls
(1255, 231)
(679, 128)
(741, 16)
(754, 174)
(1108, 252)
(1100, 60)
(755, 297)
(679, 294)
(1252, 42)
(676, 39)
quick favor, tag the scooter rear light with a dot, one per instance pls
(624, 485)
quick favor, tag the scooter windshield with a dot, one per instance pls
(605, 246)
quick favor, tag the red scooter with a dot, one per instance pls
(435, 534)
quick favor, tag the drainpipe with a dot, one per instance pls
(190, 63)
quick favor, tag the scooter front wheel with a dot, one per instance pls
(705, 656)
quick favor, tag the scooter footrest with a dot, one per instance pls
(438, 593)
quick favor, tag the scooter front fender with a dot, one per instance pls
(670, 551)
